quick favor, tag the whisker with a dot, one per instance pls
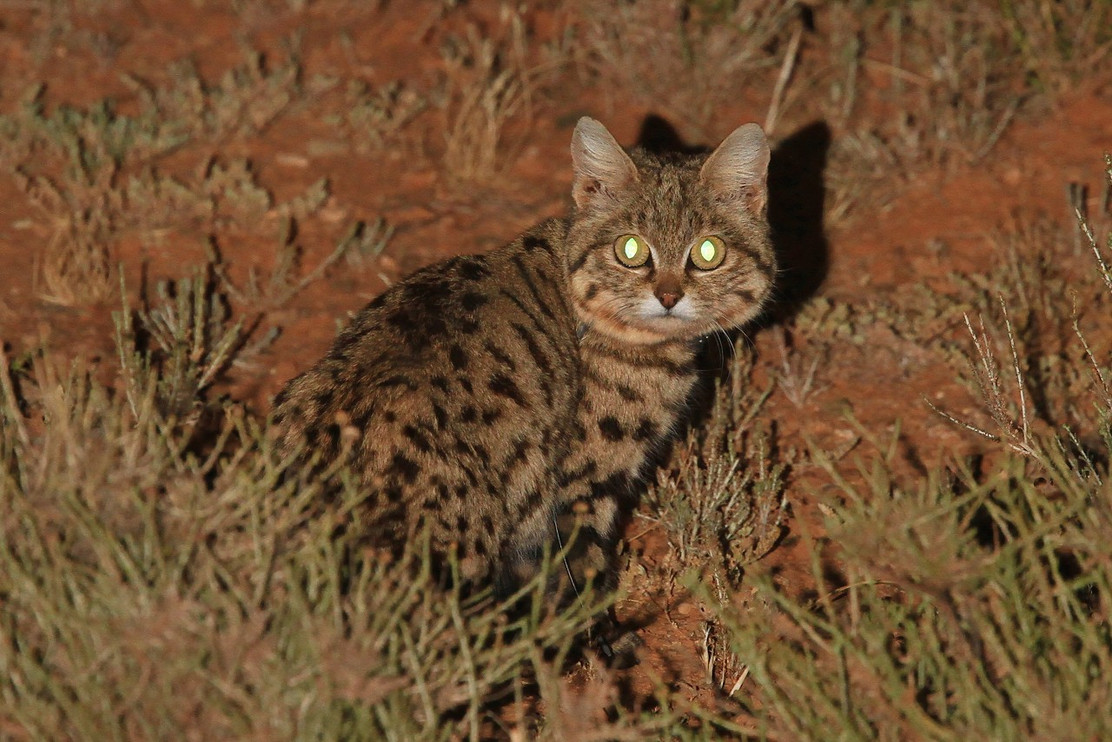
(722, 338)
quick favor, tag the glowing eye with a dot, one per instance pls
(631, 251)
(708, 253)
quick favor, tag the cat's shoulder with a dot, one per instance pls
(542, 244)
(457, 293)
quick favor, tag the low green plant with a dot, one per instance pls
(373, 117)
(798, 368)
(365, 242)
(243, 101)
(286, 278)
(70, 164)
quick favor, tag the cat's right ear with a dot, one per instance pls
(602, 167)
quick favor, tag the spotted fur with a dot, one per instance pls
(487, 398)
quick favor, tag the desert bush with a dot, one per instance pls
(963, 606)
(969, 603)
(158, 578)
(683, 57)
(721, 499)
(958, 76)
(244, 100)
(491, 76)
(908, 83)
(1031, 309)
(93, 171)
(1059, 43)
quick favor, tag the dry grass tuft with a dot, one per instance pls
(722, 501)
(490, 80)
(156, 579)
(715, 49)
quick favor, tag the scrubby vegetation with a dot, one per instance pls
(163, 573)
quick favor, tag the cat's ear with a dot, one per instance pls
(738, 169)
(602, 167)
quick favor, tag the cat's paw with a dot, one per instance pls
(616, 646)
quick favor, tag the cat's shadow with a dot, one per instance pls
(796, 201)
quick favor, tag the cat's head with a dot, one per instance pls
(668, 247)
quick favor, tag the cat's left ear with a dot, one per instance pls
(738, 169)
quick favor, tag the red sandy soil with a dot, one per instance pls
(874, 253)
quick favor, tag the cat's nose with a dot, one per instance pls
(669, 298)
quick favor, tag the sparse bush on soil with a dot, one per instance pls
(715, 48)
(489, 80)
(972, 602)
(721, 502)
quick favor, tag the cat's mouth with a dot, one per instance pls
(647, 321)
(682, 320)
(648, 327)
(668, 323)
(651, 309)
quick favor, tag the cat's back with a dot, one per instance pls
(452, 390)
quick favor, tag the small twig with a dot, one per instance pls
(1105, 271)
(796, 384)
(988, 379)
(987, 374)
(650, 529)
(897, 72)
(10, 400)
(1079, 450)
(1018, 373)
(961, 423)
(740, 680)
(1001, 125)
(782, 81)
(1077, 197)
(708, 654)
(1096, 369)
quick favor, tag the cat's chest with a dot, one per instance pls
(633, 401)
(660, 376)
